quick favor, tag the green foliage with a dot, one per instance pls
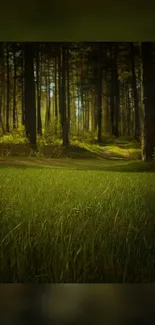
(14, 138)
(49, 146)
(49, 132)
(124, 75)
(61, 225)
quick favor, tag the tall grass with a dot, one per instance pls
(60, 225)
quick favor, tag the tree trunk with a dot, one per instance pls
(22, 87)
(8, 89)
(148, 140)
(117, 92)
(60, 85)
(128, 110)
(135, 93)
(49, 94)
(1, 85)
(39, 123)
(112, 105)
(99, 95)
(14, 86)
(64, 112)
(30, 105)
(68, 89)
(56, 94)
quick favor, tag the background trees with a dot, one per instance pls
(78, 89)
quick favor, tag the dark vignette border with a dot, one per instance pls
(83, 304)
(72, 20)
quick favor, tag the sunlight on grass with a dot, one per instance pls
(129, 153)
(15, 144)
(76, 225)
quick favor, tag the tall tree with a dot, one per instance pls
(135, 92)
(60, 84)
(64, 106)
(56, 94)
(99, 93)
(14, 88)
(38, 77)
(116, 91)
(148, 61)
(30, 104)
(22, 85)
(1, 85)
(8, 89)
(68, 86)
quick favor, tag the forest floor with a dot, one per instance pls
(77, 220)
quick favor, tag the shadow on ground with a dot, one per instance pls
(72, 164)
(73, 151)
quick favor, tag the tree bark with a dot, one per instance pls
(60, 84)
(99, 94)
(64, 112)
(148, 140)
(22, 86)
(39, 122)
(135, 93)
(68, 89)
(14, 86)
(2, 85)
(30, 104)
(8, 89)
(56, 96)
(117, 92)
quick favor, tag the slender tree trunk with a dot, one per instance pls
(74, 110)
(82, 107)
(112, 105)
(8, 89)
(39, 122)
(46, 113)
(78, 113)
(148, 141)
(64, 112)
(60, 85)
(56, 96)
(30, 104)
(49, 94)
(135, 93)
(95, 114)
(14, 88)
(99, 94)
(1, 102)
(1, 85)
(117, 92)
(128, 110)
(22, 87)
(114, 92)
(68, 89)
(88, 114)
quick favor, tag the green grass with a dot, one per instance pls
(77, 220)
(76, 149)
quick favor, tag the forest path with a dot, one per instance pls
(78, 164)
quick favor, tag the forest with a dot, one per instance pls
(77, 148)
(78, 90)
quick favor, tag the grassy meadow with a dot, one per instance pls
(81, 214)
(76, 220)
